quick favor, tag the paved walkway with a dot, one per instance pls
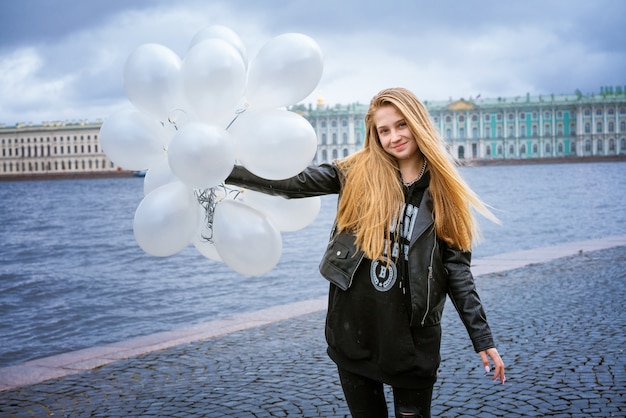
(558, 314)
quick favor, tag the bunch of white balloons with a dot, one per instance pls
(192, 119)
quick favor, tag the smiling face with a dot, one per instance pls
(395, 136)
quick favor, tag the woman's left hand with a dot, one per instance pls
(497, 362)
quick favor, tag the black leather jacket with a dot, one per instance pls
(435, 269)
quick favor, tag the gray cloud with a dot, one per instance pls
(64, 59)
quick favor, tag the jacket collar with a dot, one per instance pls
(424, 217)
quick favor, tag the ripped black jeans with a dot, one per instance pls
(366, 398)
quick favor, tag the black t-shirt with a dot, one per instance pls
(368, 326)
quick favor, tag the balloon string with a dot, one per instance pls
(172, 118)
(209, 199)
(237, 113)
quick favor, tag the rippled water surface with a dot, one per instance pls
(72, 276)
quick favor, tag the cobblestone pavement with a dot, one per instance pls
(560, 327)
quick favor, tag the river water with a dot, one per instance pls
(72, 275)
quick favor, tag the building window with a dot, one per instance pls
(499, 150)
(559, 129)
(559, 114)
(535, 130)
(611, 145)
(474, 118)
(611, 126)
(462, 133)
(461, 118)
(511, 150)
(598, 111)
(488, 150)
(599, 145)
(499, 116)
(587, 112)
(522, 130)
(588, 145)
(487, 117)
(487, 131)
(448, 119)
(522, 116)
(559, 148)
(587, 128)
(599, 127)
(511, 116)
(547, 148)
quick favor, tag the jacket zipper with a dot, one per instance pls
(430, 276)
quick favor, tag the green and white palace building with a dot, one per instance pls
(481, 130)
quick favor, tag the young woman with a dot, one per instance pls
(402, 241)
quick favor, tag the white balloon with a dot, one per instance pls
(201, 155)
(224, 33)
(166, 220)
(274, 144)
(214, 78)
(285, 71)
(152, 80)
(131, 140)
(206, 248)
(245, 239)
(203, 241)
(159, 174)
(176, 119)
(285, 214)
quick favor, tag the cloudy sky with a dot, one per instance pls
(63, 59)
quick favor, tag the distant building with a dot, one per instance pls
(475, 129)
(525, 127)
(55, 149)
(340, 129)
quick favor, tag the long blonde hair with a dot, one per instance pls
(372, 194)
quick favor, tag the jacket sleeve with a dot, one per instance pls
(462, 291)
(313, 181)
